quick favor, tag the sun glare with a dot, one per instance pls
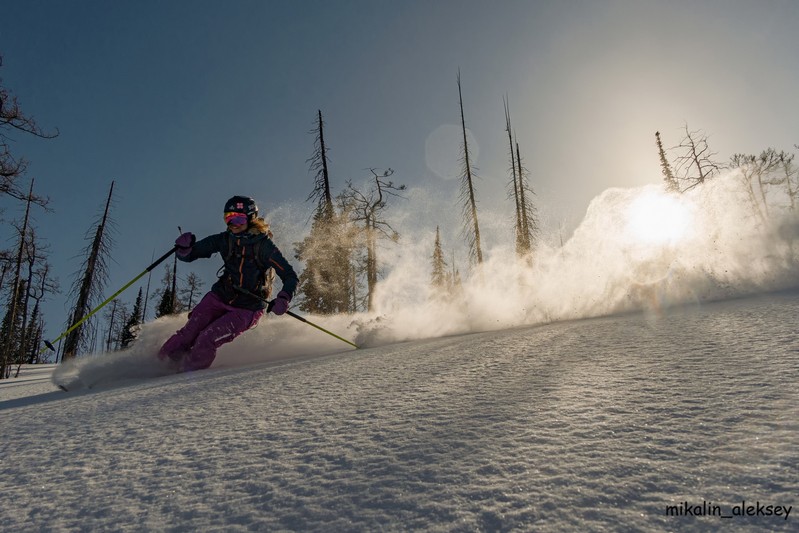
(656, 218)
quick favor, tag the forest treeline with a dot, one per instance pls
(340, 256)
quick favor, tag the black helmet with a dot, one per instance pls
(242, 204)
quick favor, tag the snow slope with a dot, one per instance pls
(593, 425)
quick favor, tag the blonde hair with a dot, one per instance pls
(259, 225)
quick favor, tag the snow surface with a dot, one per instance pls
(587, 425)
(589, 390)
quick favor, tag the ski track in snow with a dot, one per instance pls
(593, 425)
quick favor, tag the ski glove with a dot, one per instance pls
(184, 244)
(281, 304)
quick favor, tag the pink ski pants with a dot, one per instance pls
(211, 324)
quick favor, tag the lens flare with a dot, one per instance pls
(658, 219)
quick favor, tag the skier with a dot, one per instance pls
(236, 301)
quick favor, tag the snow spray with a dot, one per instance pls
(636, 250)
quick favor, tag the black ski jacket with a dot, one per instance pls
(242, 269)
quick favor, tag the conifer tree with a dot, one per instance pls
(166, 304)
(33, 335)
(326, 251)
(670, 181)
(439, 278)
(455, 283)
(132, 326)
(325, 281)
(166, 298)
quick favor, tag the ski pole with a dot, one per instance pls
(289, 313)
(49, 344)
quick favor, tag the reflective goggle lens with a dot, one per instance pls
(237, 219)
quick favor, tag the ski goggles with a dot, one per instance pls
(235, 218)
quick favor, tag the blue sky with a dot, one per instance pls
(186, 103)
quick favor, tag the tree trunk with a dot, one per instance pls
(73, 339)
(323, 150)
(470, 196)
(7, 347)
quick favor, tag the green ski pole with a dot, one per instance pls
(50, 344)
(298, 317)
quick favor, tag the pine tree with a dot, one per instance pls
(162, 297)
(325, 281)
(130, 331)
(665, 169)
(166, 305)
(454, 283)
(439, 278)
(326, 251)
(166, 298)
(34, 335)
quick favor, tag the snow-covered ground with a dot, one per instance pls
(502, 406)
(587, 425)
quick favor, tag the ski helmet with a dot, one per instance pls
(244, 205)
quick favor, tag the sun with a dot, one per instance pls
(657, 218)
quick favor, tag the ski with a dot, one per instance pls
(73, 385)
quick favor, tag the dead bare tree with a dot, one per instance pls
(529, 214)
(521, 246)
(12, 168)
(10, 339)
(790, 178)
(190, 290)
(471, 225)
(90, 283)
(112, 314)
(366, 211)
(695, 164)
(38, 292)
(763, 172)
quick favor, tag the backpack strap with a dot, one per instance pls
(221, 271)
(268, 271)
(267, 275)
